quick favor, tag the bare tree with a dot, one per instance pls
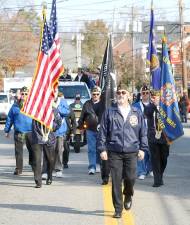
(95, 37)
(19, 40)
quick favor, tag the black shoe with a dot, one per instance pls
(48, 181)
(65, 166)
(157, 185)
(117, 215)
(105, 182)
(17, 172)
(127, 202)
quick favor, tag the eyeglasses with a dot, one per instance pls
(24, 94)
(145, 93)
(121, 92)
(95, 94)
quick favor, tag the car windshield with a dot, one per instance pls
(71, 91)
(3, 99)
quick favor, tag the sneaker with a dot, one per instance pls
(97, 168)
(141, 177)
(151, 174)
(54, 174)
(91, 171)
(59, 174)
(44, 176)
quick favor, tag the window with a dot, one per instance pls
(3, 99)
(71, 91)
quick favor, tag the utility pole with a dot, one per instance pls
(79, 40)
(113, 24)
(183, 49)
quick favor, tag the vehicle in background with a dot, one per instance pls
(5, 105)
(71, 88)
(14, 83)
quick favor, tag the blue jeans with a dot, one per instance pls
(144, 166)
(93, 156)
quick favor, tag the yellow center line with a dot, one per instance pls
(127, 216)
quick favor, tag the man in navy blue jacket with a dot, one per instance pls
(22, 131)
(122, 137)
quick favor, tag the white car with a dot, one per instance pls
(71, 88)
(4, 105)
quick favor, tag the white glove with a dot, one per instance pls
(104, 155)
(140, 155)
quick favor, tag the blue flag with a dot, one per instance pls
(152, 57)
(169, 110)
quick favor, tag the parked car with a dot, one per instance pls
(4, 105)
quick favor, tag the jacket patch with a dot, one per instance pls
(133, 120)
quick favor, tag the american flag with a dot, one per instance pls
(53, 24)
(38, 104)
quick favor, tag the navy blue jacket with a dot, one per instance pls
(37, 136)
(123, 137)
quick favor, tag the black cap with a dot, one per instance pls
(24, 89)
(145, 88)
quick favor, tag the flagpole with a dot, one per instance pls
(42, 24)
(151, 8)
(150, 76)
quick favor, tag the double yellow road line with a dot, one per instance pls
(127, 217)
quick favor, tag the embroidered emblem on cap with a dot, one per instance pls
(133, 120)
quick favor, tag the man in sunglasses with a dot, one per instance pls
(91, 116)
(143, 166)
(121, 138)
(22, 130)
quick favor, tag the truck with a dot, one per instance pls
(15, 83)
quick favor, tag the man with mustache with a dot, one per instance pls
(121, 139)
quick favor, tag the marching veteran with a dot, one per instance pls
(121, 139)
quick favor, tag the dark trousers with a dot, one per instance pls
(123, 167)
(66, 152)
(20, 139)
(105, 170)
(49, 153)
(159, 155)
(184, 117)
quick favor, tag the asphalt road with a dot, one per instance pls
(79, 199)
